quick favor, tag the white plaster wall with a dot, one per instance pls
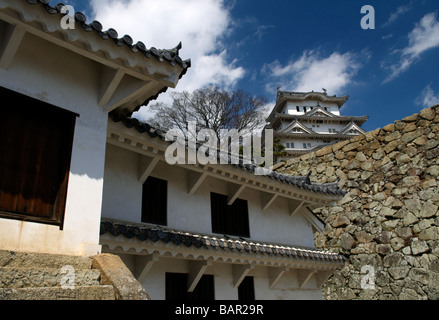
(291, 107)
(286, 289)
(56, 76)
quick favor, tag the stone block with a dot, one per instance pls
(399, 272)
(419, 247)
(115, 273)
(427, 114)
(411, 118)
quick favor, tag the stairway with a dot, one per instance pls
(38, 276)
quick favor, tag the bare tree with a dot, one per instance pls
(211, 108)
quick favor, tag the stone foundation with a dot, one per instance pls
(387, 225)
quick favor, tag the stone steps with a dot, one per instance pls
(47, 277)
(37, 276)
(99, 292)
(15, 259)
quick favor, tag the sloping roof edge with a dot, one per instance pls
(169, 55)
(164, 235)
(301, 182)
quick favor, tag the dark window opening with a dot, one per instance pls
(36, 142)
(246, 290)
(229, 219)
(154, 201)
(176, 285)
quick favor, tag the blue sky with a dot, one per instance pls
(389, 72)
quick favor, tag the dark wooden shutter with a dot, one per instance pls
(246, 290)
(35, 151)
(154, 201)
(231, 220)
(219, 212)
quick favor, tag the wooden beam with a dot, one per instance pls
(267, 199)
(13, 38)
(146, 166)
(322, 276)
(194, 180)
(304, 276)
(196, 271)
(129, 91)
(143, 266)
(240, 271)
(110, 80)
(234, 192)
(294, 206)
(275, 274)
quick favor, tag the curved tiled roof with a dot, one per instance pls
(171, 56)
(302, 182)
(144, 232)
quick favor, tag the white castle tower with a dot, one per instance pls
(306, 122)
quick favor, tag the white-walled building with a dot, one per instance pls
(220, 224)
(305, 122)
(79, 176)
(57, 87)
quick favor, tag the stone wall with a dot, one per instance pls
(387, 225)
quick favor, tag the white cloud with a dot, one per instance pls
(312, 72)
(198, 24)
(397, 13)
(427, 97)
(423, 37)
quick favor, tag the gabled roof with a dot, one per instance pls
(296, 124)
(284, 96)
(303, 96)
(352, 125)
(319, 112)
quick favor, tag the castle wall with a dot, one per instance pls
(387, 225)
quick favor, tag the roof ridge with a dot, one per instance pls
(144, 231)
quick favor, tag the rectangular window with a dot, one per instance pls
(297, 108)
(288, 145)
(36, 142)
(176, 285)
(154, 201)
(304, 109)
(231, 220)
(246, 290)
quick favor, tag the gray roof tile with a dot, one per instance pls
(145, 232)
